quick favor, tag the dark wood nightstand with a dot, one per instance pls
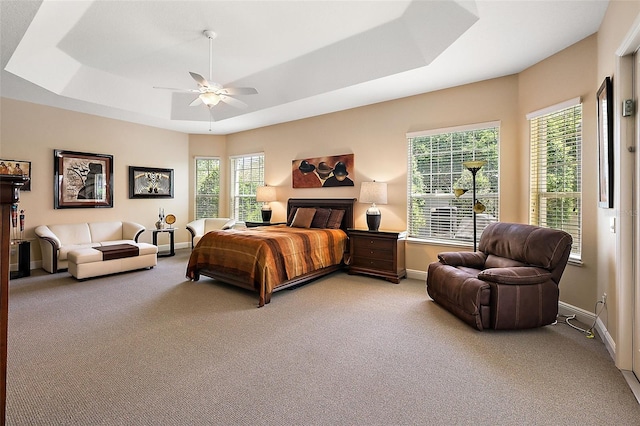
(377, 253)
(255, 224)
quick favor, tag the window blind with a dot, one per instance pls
(247, 174)
(556, 170)
(207, 196)
(436, 170)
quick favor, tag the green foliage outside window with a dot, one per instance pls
(436, 170)
(207, 196)
(556, 172)
(247, 176)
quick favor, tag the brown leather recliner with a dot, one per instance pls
(511, 282)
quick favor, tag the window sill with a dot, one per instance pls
(421, 241)
(575, 261)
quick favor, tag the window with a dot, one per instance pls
(247, 174)
(556, 169)
(207, 187)
(435, 170)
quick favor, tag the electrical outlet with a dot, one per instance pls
(604, 298)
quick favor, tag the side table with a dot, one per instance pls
(171, 231)
(20, 255)
(377, 253)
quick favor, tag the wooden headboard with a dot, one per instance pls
(345, 204)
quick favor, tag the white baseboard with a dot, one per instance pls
(588, 318)
(176, 246)
(583, 316)
(633, 383)
(417, 275)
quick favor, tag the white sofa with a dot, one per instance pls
(199, 227)
(58, 242)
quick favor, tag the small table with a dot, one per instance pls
(172, 250)
(20, 255)
(255, 224)
(377, 253)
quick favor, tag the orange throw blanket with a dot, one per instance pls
(267, 256)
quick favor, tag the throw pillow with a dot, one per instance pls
(292, 214)
(320, 219)
(303, 218)
(335, 219)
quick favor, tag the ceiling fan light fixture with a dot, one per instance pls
(209, 99)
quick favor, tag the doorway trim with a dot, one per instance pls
(627, 243)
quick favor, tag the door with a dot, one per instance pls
(636, 243)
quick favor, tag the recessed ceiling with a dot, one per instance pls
(305, 58)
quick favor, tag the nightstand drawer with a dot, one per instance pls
(372, 252)
(377, 264)
(374, 244)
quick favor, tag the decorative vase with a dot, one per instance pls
(159, 225)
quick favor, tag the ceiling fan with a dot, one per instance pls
(211, 93)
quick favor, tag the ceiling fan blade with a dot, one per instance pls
(199, 79)
(233, 102)
(197, 101)
(177, 90)
(238, 91)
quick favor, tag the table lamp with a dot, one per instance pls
(266, 194)
(373, 192)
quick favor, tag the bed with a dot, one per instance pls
(267, 259)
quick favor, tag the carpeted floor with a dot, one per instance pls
(151, 348)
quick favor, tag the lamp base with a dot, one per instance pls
(373, 221)
(266, 215)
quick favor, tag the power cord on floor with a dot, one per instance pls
(587, 332)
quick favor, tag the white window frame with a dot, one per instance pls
(244, 182)
(540, 198)
(453, 224)
(197, 195)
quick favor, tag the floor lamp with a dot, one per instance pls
(478, 207)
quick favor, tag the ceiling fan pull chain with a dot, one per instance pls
(210, 58)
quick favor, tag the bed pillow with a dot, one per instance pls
(335, 219)
(320, 218)
(292, 214)
(303, 217)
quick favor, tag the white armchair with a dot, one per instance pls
(199, 227)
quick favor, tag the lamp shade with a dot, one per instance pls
(209, 99)
(373, 192)
(266, 194)
(474, 164)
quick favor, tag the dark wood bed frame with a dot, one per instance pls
(346, 204)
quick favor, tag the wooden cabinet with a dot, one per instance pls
(377, 253)
(9, 194)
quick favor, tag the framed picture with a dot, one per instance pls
(605, 144)
(82, 180)
(150, 182)
(323, 172)
(19, 168)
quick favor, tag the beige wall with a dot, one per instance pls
(31, 132)
(566, 75)
(621, 19)
(376, 135)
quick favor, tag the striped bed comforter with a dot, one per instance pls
(267, 256)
